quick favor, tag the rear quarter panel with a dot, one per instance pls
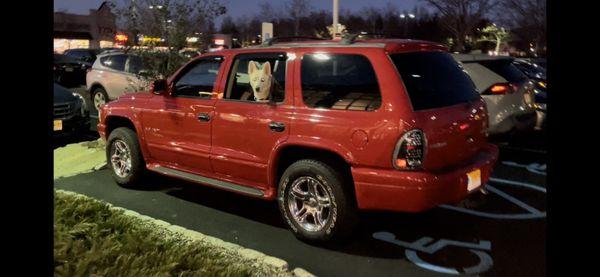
(363, 138)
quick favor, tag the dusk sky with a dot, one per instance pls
(239, 7)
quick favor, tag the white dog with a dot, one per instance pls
(261, 80)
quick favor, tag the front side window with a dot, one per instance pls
(257, 77)
(134, 64)
(115, 62)
(198, 79)
(339, 82)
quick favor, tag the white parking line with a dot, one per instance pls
(532, 213)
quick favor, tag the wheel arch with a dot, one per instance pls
(289, 153)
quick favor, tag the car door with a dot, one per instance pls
(244, 130)
(113, 75)
(177, 127)
(133, 67)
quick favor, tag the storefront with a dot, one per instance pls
(95, 30)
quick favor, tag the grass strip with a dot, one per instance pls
(93, 239)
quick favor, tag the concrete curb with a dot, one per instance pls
(246, 253)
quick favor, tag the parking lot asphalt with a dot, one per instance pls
(498, 234)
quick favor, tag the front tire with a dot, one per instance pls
(315, 203)
(124, 157)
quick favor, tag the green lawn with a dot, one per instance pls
(91, 239)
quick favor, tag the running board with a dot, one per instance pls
(210, 181)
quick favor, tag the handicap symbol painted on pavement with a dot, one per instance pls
(530, 212)
(419, 246)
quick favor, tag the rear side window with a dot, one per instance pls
(339, 82)
(116, 62)
(506, 69)
(434, 80)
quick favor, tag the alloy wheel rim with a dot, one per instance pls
(99, 100)
(309, 203)
(120, 158)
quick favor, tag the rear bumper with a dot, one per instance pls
(407, 191)
(518, 122)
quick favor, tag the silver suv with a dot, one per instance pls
(112, 75)
(507, 92)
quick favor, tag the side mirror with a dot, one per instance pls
(159, 87)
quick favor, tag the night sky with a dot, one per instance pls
(239, 7)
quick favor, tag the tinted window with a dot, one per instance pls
(116, 62)
(506, 69)
(434, 80)
(240, 83)
(339, 82)
(58, 58)
(134, 64)
(199, 78)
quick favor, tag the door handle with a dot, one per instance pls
(203, 117)
(276, 126)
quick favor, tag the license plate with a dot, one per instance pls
(58, 125)
(474, 178)
(68, 69)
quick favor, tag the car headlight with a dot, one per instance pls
(81, 104)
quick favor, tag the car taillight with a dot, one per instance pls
(499, 88)
(410, 150)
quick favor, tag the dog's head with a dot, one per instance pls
(261, 80)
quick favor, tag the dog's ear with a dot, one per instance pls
(251, 67)
(267, 68)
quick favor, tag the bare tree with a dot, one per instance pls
(527, 20)
(461, 16)
(297, 9)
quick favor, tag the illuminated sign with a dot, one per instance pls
(219, 41)
(121, 37)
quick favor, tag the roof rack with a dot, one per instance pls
(349, 39)
(272, 40)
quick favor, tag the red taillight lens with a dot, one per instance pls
(410, 151)
(499, 89)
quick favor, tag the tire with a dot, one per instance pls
(129, 178)
(337, 221)
(98, 95)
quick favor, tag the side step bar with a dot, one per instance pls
(210, 181)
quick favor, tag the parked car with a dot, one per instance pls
(189, 53)
(70, 112)
(112, 75)
(507, 92)
(537, 74)
(69, 72)
(325, 128)
(83, 54)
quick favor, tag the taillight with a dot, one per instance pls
(410, 150)
(499, 88)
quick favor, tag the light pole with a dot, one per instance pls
(336, 7)
(404, 18)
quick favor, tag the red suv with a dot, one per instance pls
(327, 128)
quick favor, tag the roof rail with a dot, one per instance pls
(272, 40)
(349, 39)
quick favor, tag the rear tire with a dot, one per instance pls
(124, 157)
(99, 98)
(328, 212)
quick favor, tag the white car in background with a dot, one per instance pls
(507, 92)
(112, 75)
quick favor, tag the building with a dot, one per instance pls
(95, 30)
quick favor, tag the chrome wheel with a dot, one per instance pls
(120, 158)
(99, 100)
(309, 203)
